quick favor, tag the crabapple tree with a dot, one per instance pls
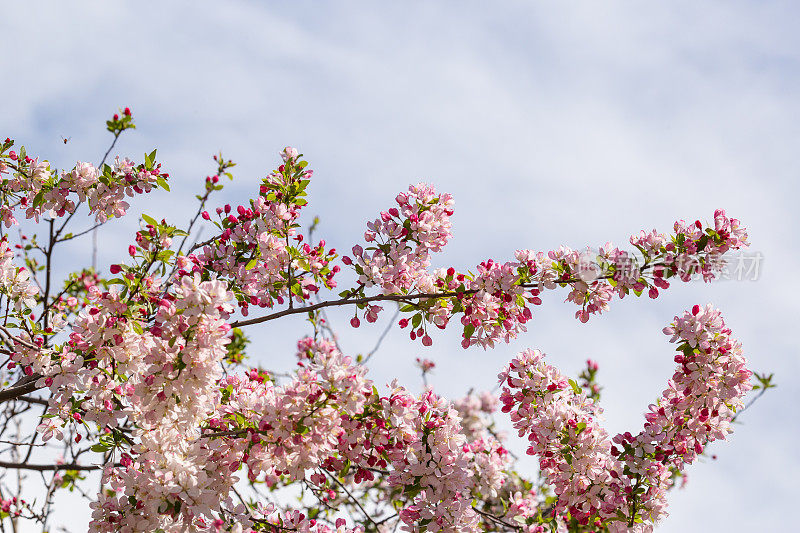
(136, 370)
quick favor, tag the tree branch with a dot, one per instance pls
(348, 301)
(22, 387)
(48, 468)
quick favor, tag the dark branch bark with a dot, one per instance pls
(22, 387)
(350, 301)
(48, 468)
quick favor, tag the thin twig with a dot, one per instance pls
(366, 515)
(31, 399)
(495, 519)
(76, 235)
(388, 328)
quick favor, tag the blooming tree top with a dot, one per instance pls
(142, 375)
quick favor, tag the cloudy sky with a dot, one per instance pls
(561, 123)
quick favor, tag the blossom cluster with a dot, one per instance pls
(259, 250)
(32, 185)
(622, 485)
(171, 392)
(326, 422)
(404, 238)
(496, 301)
(330, 421)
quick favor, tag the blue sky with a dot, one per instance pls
(550, 123)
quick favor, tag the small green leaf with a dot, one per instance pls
(469, 329)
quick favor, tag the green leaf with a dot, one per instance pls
(162, 183)
(149, 159)
(574, 386)
(252, 263)
(469, 329)
(149, 220)
(412, 490)
(417, 320)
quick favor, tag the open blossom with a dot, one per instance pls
(15, 281)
